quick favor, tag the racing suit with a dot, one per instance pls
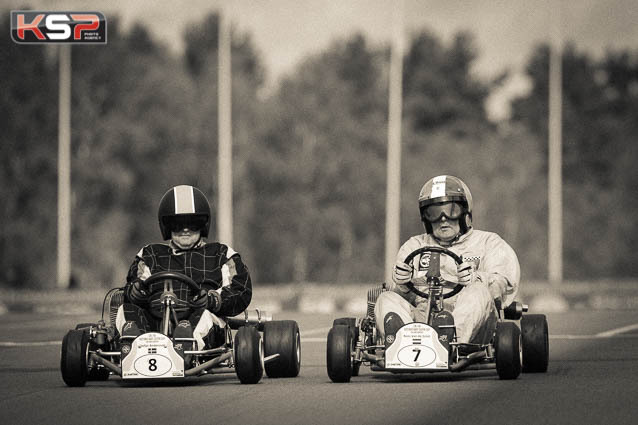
(496, 275)
(214, 266)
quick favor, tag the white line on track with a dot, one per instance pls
(613, 332)
(28, 343)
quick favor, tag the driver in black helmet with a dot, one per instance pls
(489, 271)
(225, 285)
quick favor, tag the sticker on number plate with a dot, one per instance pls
(152, 356)
(416, 346)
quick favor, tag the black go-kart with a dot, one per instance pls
(520, 342)
(254, 343)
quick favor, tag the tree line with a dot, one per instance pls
(309, 155)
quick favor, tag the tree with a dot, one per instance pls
(599, 106)
(320, 172)
(28, 157)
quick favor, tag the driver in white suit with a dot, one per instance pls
(489, 271)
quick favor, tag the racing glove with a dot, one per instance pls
(137, 291)
(465, 273)
(401, 275)
(200, 300)
(210, 300)
(214, 301)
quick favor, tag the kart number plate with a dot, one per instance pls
(152, 356)
(416, 346)
(152, 365)
(416, 355)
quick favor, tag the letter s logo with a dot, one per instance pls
(51, 25)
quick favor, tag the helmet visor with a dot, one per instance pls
(194, 223)
(434, 212)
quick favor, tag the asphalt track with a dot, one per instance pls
(592, 379)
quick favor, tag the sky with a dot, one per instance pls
(285, 31)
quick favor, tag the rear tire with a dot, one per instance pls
(339, 353)
(282, 337)
(73, 358)
(249, 355)
(535, 343)
(84, 325)
(508, 350)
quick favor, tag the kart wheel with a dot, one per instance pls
(249, 355)
(282, 337)
(508, 350)
(84, 325)
(73, 358)
(348, 321)
(535, 343)
(354, 332)
(339, 353)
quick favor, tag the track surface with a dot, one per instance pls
(592, 379)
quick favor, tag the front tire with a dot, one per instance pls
(508, 350)
(282, 337)
(249, 355)
(535, 343)
(339, 353)
(73, 358)
(354, 333)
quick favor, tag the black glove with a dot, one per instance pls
(214, 301)
(210, 300)
(138, 291)
(200, 300)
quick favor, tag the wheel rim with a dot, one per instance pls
(261, 352)
(520, 350)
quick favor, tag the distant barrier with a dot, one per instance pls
(330, 298)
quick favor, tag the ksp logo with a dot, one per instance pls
(29, 26)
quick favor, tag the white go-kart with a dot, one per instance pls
(520, 342)
(254, 343)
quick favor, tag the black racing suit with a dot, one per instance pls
(211, 265)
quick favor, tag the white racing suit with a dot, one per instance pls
(496, 275)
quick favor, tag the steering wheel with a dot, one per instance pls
(173, 275)
(456, 287)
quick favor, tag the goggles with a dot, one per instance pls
(434, 212)
(195, 224)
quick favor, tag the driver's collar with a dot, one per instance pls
(457, 239)
(178, 251)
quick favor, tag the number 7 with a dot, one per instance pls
(417, 351)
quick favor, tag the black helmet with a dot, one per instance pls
(181, 202)
(446, 189)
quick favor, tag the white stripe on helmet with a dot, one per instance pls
(184, 200)
(438, 187)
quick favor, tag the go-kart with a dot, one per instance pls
(95, 351)
(519, 342)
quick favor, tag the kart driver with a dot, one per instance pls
(226, 288)
(490, 268)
